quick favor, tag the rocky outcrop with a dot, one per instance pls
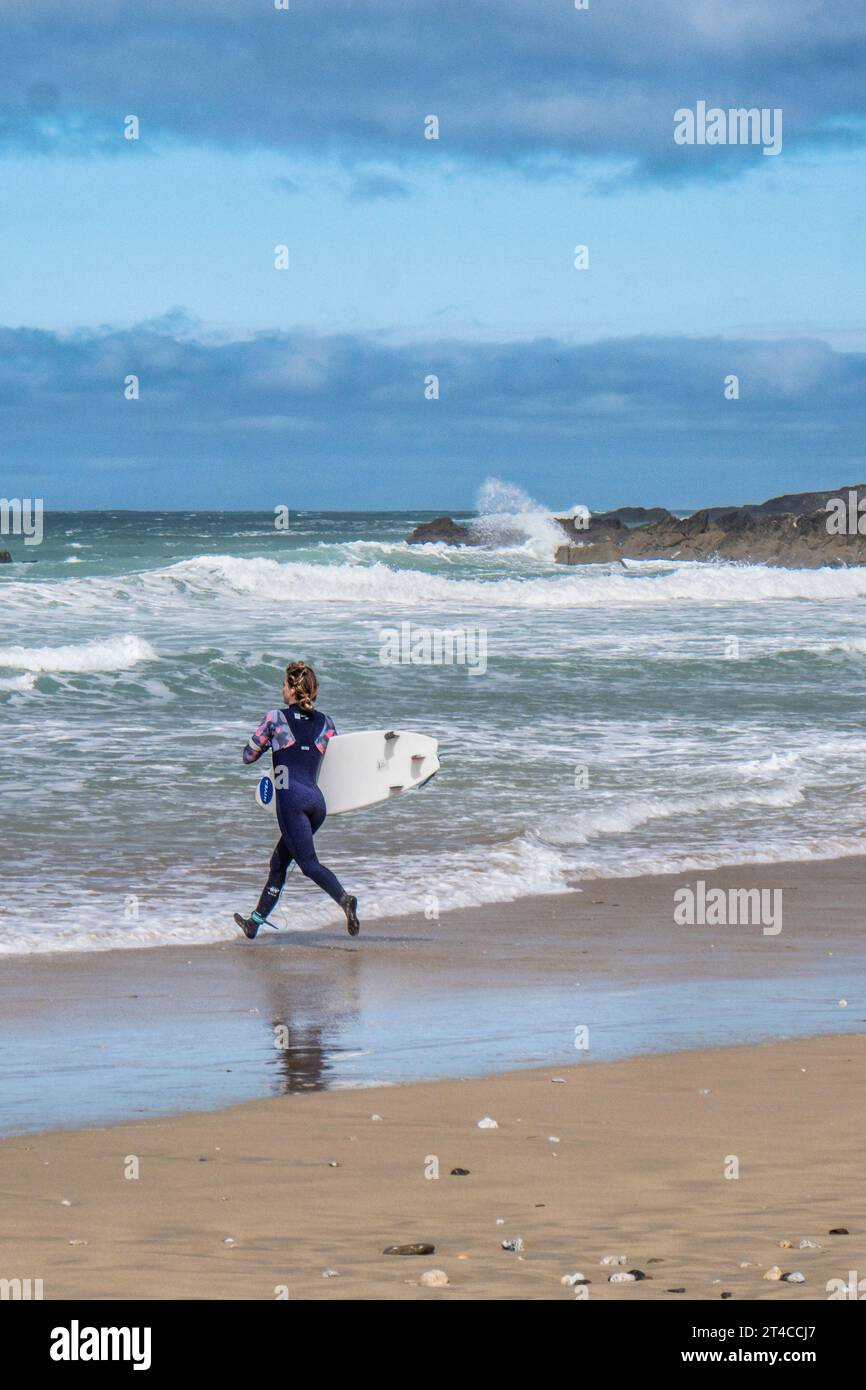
(443, 529)
(793, 503)
(794, 539)
(795, 530)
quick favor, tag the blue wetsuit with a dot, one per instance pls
(298, 742)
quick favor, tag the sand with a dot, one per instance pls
(619, 1157)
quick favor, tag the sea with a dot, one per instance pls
(593, 721)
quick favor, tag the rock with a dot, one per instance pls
(809, 1245)
(838, 1231)
(557, 1080)
(773, 1273)
(621, 1277)
(674, 1290)
(843, 1003)
(613, 1260)
(639, 1274)
(229, 1240)
(790, 530)
(552, 1139)
(786, 1245)
(443, 529)
(434, 1279)
(795, 1277)
(5, 557)
(376, 1118)
(515, 1244)
(460, 1172)
(333, 1163)
(418, 1249)
(727, 1295)
(330, 1274)
(487, 1123)
(571, 1279)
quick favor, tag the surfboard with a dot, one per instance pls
(363, 769)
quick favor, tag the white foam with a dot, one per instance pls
(110, 654)
(506, 511)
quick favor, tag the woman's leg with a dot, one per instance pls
(298, 827)
(279, 867)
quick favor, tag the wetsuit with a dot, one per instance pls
(298, 742)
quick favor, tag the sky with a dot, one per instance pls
(408, 258)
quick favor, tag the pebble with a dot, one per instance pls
(674, 1290)
(460, 1172)
(418, 1249)
(571, 1279)
(622, 1277)
(747, 1264)
(773, 1273)
(838, 1231)
(78, 1242)
(809, 1245)
(843, 1003)
(330, 1273)
(377, 1118)
(639, 1274)
(727, 1295)
(487, 1123)
(558, 1080)
(795, 1277)
(333, 1163)
(434, 1279)
(228, 1240)
(65, 1202)
(613, 1260)
(552, 1139)
(786, 1245)
(515, 1244)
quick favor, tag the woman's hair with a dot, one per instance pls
(302, 678)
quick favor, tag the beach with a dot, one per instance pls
(622, 1158)
(612, 1142)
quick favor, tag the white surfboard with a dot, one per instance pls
(362, 769)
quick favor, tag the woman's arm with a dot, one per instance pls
(260, 738)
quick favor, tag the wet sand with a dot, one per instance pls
(624, 1157)
(105, 1037)
(619, 1157)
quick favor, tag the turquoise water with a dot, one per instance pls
(610, 730)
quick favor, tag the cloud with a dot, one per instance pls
(634, 418)
(529, 83)
(373, 187)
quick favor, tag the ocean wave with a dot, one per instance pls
(119, 653)
(208, 578)
(692, 583)
(580, 828)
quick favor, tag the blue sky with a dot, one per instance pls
(408, 256)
